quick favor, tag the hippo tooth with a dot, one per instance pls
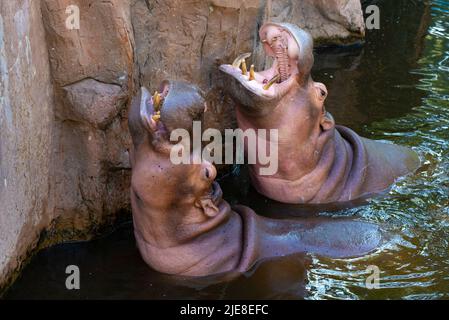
(156, 117)
(271, 82)
(238, 61)
(156, 101)
(252, 74)
(244, 68)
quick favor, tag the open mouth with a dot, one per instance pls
(288, 46)
(176, 105)
(157, 100)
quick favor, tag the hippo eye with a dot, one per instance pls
(207, 173)
(323, 93)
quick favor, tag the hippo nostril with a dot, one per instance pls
(209, 172)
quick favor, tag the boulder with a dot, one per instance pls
(93, 102)
(329, 21)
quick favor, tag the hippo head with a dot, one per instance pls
(177, 104)
(260, 93)
(158, 182)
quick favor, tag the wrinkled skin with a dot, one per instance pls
(184, 227)
(319, 162)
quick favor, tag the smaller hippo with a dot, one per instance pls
(182, 224)
(319, 162)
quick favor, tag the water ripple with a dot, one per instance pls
(415, 264)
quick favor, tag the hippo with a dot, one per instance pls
(182, 224)
(319, 161)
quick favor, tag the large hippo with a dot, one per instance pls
(182, 224)
(319, 162)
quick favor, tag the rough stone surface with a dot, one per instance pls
(26, 115)
(95, 102)
(101, 49)
(63, 139)
(329, 21)
(190, 38)
(92, 70)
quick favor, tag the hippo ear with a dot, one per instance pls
(153, 124)
(327, 121)
(208, 207)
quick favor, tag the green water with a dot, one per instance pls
(394, 88)
(415, 264)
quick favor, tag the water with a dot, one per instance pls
(394, 88)
(413, 111)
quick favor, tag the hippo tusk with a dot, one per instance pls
(272, 81)
(157, 101)
(252, 74)
(238, 61)
(244, 68)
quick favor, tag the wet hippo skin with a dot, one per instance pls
(319, 162)
(184, 227)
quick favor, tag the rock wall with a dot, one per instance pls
(329, 21)
(189, 38)
(64, 94)
(26, 121)
(92, 71)
(63, 139)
